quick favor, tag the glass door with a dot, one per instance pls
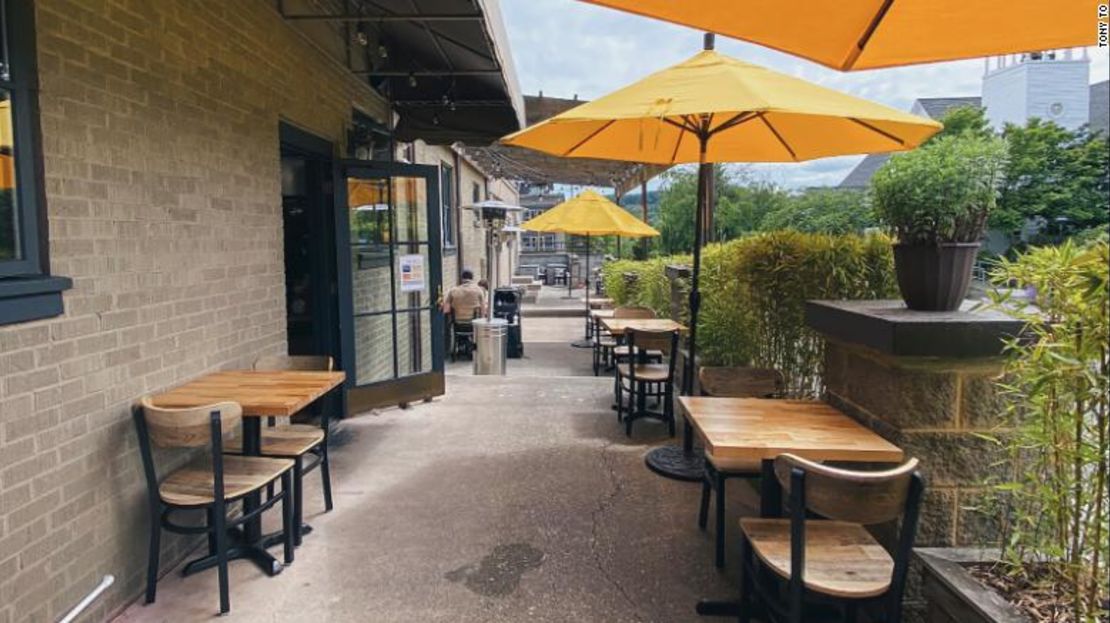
(390, 275)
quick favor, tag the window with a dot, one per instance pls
(447, 199)
(27, 291)
(476, 192)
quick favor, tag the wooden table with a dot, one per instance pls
(261, 393)
(618, 326)
(760, 429)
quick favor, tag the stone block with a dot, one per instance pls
(982, 406)
(902, 397)
(954, 459)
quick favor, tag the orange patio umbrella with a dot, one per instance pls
(867, 34)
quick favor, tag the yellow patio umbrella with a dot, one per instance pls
(589, 214)
(867, 34)
(713, 108)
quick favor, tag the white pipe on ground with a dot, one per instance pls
(91, 597)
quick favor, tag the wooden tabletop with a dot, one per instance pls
(278, 393)
(601, 313)
(618, 326)
(756, 429)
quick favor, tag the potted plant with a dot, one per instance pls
(936, 200)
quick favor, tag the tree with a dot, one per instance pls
(1056, 177)
(965, 119)
(823, 210)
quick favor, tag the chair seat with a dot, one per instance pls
(284, 441)
(651, 372)
(734, 466)
(191, 485)
(606, 342)
(842, 559)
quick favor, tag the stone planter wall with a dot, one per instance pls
(679, 277)
(925, 382)
(936, 410)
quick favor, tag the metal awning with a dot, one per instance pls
(533, 167)
(444, 65)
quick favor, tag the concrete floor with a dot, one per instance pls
(507, 499)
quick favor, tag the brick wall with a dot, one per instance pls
(160, 140)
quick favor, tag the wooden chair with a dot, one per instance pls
(297, 441)
(647, 380)
(605, 344)
(834, 559)
(732, 382)
(209, 482)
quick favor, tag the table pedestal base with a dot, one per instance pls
(278, 538)
(674, 462)
(237, 549)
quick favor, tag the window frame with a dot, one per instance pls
(447, 207)
(27, 290)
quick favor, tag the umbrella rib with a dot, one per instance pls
(588, 138)
(854, 53)
(879, 131)
(734, 121)
(681, 134)
(777, 135)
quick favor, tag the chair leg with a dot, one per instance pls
(747, 570)
(618, 389)
(325, 475)
(703, 509)
(221, 557)
(298, 499)
(720, 556)
(288, 531)
(155, 546)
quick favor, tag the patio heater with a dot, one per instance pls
(491, 335)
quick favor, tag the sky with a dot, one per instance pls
(565, 48)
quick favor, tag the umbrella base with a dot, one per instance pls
(673, 462)
(582, 343)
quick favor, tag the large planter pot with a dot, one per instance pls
(953, 595)
(934, 277)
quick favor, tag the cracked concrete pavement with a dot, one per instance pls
(508, 499)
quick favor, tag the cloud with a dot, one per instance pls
(566, 48)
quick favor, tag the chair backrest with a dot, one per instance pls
(847, 495)
(642, 340)
(191, 427)
(637, 313)
(303, 363)
(740, 382)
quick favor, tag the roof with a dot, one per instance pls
(937, 107)
(533, 167)
(444, 65)
(860, 176)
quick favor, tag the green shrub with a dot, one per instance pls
(1056, 384)
(754, 291)
(942, 192)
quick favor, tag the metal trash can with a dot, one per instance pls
(491, 340)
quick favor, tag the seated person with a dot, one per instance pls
(467, 300)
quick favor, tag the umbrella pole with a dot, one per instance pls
(585, 342)
(681, 462)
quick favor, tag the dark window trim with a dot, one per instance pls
(453, 244)
(27, 290)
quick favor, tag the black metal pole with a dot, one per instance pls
(587, 286)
